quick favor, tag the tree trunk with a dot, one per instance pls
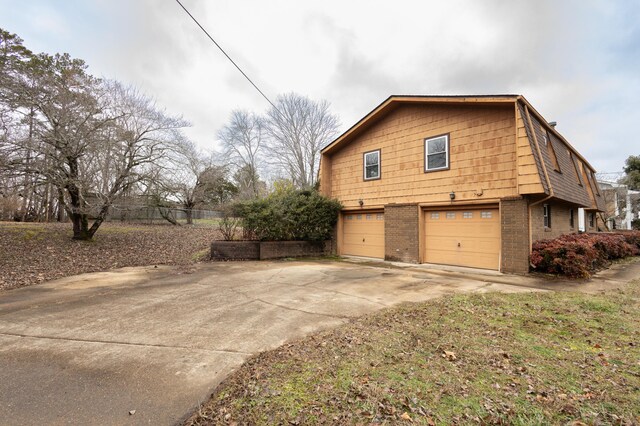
(189, 213)
(78, 207)
(167, 215)
(104, 211)
(60, 212)
(27, 191)
(80, 226)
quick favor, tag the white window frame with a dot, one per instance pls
(364, 165)
(426, 153)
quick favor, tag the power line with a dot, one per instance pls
(229, 57)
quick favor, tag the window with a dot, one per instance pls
(372, 165)
(436, 153)
(575, 166)
(467, 215)
(571, 220)
(380, 216)
(552, 153)
(451, 215)
(591, 180)
(592, 220)
(485, 215)
(546, 212)
(350, 217)
(435, 215)
(369, 216)
(359, 217)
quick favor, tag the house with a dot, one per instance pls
(457, 180)
(621, 205)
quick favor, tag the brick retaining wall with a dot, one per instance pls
(261, 250)
(235, 250)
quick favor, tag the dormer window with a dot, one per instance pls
(372, 165)
(552, 152)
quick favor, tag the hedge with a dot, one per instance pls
(580, 255)
(289, 214)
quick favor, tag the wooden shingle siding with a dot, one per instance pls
(482, 156)
(530, 178)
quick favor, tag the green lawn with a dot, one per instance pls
(538, 358)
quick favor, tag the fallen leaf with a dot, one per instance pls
(451, 356)
(406, 416)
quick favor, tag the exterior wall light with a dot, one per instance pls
(361, 202)
(452, 195)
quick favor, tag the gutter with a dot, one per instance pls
(544, 169)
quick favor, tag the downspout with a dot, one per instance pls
(544, 169)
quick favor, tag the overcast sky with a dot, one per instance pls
(577, 62)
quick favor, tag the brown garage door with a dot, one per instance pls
(463, 237)
(363, 234)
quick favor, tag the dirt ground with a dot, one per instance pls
(32, 253)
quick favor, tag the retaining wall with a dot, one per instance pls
(261, 250)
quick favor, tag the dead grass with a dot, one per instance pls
(552, 358)
(31, 253)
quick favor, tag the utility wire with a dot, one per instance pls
(229, 58)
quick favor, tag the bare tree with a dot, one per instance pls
(89, 139)
(243, 141)
(72, 140)
(142, 137)
(195, 181)
(298, 128)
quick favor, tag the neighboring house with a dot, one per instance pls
(457, 180)
(621, 205)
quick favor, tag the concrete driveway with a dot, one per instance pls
(93, 348)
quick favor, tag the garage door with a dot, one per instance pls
(363, 234)
(463, 237)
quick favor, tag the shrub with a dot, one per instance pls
(633, 238)
(290, 214)
(228, 224)
(579, 255)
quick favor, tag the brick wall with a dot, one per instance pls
(254, 250)
(235, 250)
(401, 228)
(560, 214)
(280, 249)
(514, 226)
